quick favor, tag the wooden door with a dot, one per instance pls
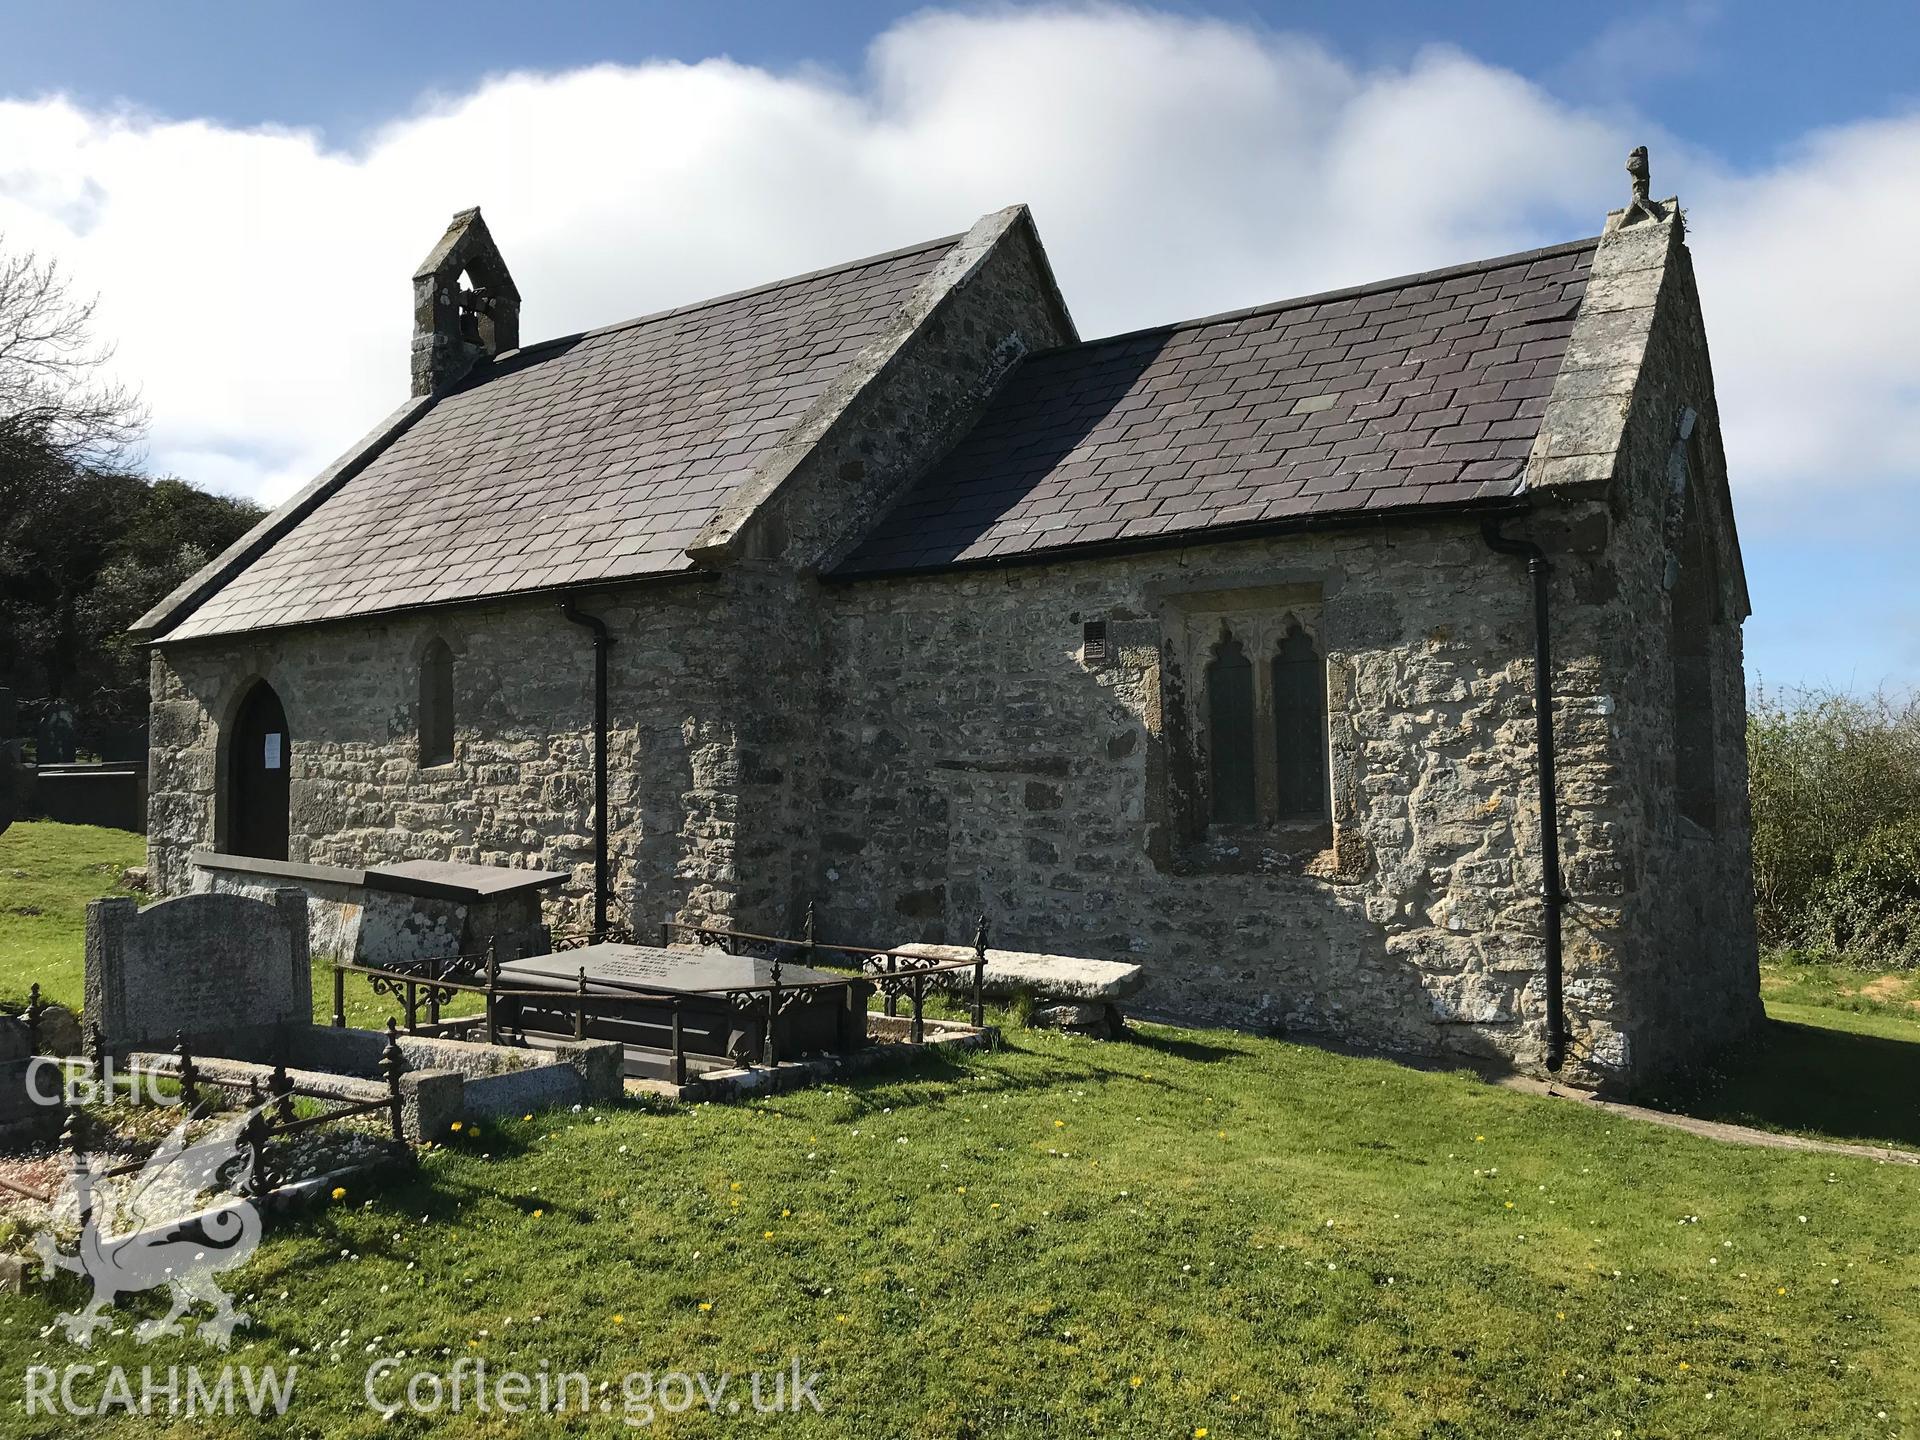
(259, 761)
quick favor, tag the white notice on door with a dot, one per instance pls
(273, 752)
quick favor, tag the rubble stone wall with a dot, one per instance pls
(979, 764)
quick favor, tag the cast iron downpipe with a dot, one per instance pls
(1551, 894)
(602, 642)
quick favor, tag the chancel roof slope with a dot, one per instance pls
(594, 458)
(1409, 393)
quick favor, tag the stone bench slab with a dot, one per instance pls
(1060, 977)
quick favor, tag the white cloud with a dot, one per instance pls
(1811, 291)
(257, 280)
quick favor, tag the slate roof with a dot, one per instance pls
(1407, 393)
(593, 458)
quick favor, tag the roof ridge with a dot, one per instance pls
(651, 317)
(1323, 297)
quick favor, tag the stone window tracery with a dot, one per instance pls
(1255, 714)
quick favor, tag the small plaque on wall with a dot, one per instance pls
(273, 752)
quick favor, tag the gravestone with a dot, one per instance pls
(26, 1116)
(228, 971)
(9, 760)
(9, 784)
(57, 734)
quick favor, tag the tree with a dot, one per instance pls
(86, 543)
(99, 549)
(55, 407)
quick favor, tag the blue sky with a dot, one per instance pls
(249, 183)
(1743, 78)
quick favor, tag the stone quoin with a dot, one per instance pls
(1210, 648)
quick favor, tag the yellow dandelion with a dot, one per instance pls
(1781, 1291)
(706, 1304)
(1059, 1124)
(454, 1126)
(1200, 1434)
(526, 1117)
(785, 1214)
(339, 1192)
(1562, 1315)
(960, 1189)
(1221, 1134)
(1509, 1204)
(841, 1318)
(619, 1319)
(1136, 1382)
(734, 1186)
(766, 1234)
(1685, 1366)
(1479, 1139)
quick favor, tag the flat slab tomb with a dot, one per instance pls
(633, 994)
(1058, 977)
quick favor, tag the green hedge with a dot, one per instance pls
(1836, 825)
(1867, 909)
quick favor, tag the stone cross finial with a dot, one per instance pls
(1641, 207)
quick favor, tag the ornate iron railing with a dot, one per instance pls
(413, 989)
(250, 1148)
(892, 972)
(430, 984)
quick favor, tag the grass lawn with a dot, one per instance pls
(1793, 988)
(1840, 1058)
(48, 873)
(1187, 1232)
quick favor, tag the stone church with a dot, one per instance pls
(1216, 646)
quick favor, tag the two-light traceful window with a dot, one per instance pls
(1267, 752)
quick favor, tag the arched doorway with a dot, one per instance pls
(259, 759)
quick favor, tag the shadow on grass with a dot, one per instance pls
(937, 1077)
(1201, 1051)
(1815, 1080)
